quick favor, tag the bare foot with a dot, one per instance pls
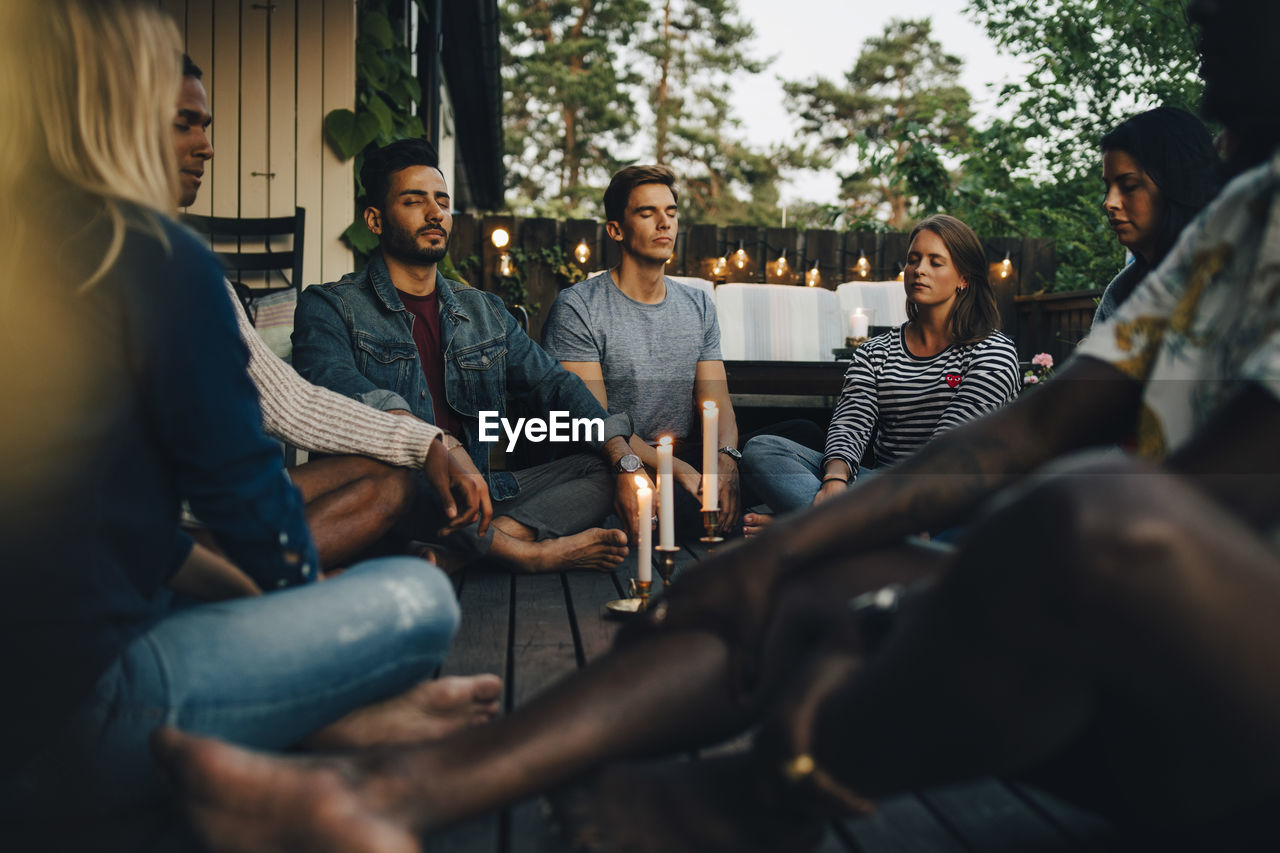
(754, 523)
(677, 807)
(428, 711)
(245, 802)
(596, 549)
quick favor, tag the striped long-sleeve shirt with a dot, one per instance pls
(912, 399)
(323, 421)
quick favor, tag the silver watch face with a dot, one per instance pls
(732, 453)
(629, 463)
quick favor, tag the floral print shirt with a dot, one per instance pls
(1205, 323)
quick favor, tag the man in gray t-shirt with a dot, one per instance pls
(650, 346)
(648, 353)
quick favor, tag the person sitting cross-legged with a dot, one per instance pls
(365, 484)
(144, 403)
(399, 336)
(947, 364)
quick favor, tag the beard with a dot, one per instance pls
(402, 244)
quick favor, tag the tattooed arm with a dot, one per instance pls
(1089, 403)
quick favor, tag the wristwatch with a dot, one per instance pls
(628, 464)
(732, 452)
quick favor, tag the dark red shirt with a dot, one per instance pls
(426, 334)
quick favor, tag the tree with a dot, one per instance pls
(1094, 62)
(567, 96)
(697, 48)
(902, 92)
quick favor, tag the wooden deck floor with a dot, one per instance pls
(534, 630)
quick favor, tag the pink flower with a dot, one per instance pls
(1043, 360)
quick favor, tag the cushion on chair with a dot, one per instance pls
(885, 302)
(778, 322)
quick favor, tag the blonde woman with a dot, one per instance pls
(126, 392)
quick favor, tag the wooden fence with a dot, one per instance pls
(1038, 320)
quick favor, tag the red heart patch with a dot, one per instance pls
(953, 379)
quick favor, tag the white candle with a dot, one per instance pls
(710, 456)
(644, 497)
(784, 216)
(666, 495)
(858, 324)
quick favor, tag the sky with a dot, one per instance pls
(823, 37)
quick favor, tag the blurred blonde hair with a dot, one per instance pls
(87, 93)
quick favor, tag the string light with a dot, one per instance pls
(720, 267)
(1006, 266)
(863, 266)
(506, 268)
(901, 273)
(813, 277)
(500, 237)
(582, 253)
(780, 265)
(740, 257)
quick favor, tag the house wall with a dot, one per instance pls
(273, 70)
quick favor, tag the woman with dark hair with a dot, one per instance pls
(1160, 169)
(947, 364)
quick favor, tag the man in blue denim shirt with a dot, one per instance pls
(386, 334)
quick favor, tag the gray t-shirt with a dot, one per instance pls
(648, 353)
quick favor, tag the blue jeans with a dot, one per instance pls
(784, 474)
(263, 672)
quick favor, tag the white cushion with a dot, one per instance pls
(778, 322)
(885, 302)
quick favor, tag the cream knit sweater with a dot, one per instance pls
(320, 420)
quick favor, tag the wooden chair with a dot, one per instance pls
(253, 251)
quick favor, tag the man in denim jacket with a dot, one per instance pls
(401, 337)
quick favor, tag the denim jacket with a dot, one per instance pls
(356, 337)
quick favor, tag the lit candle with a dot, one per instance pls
(666, 495)
(858, 324)
(710, 454)
(644, 497)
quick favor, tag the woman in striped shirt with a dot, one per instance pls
(947, 364)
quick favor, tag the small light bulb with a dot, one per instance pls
(901, 274)
(863, 266)
(1006, 266)
(721, 266)
(582, 253)
(813, 277)
(780, 265)
(740, 257)
(500, 237)
(506, 269)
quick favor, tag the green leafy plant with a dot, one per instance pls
(385, 90)
(515, 291)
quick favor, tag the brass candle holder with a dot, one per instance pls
(855, 342)
(637, 602)
(710, 518)
(666, 563)
(640, 590)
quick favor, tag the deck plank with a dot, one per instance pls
(990, 819)
(902, 824)
(588, 592)
(543, 646)
(482, 645)
(1088, 830)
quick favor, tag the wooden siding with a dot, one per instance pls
(273, 70)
